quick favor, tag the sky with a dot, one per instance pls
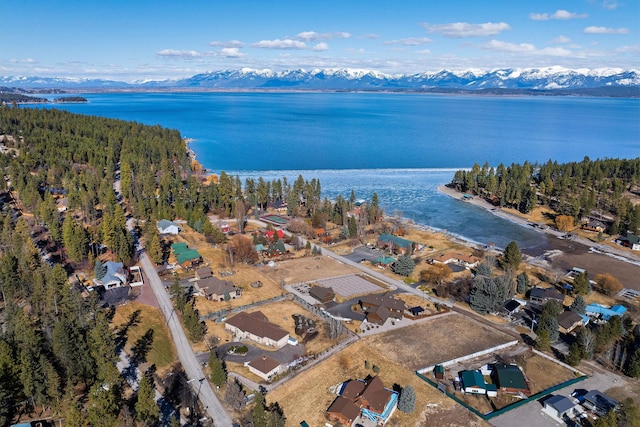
(134, 40)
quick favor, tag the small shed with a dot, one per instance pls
(438, 372)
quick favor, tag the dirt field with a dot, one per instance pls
(308, 395)
(305, 269)
(436, 340)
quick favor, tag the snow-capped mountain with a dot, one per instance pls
(552, 78)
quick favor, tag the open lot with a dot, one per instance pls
(133, 321)
(438, 340)
(305, 269)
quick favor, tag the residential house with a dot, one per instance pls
(167, 227)
(279, 207)
(276, 249)
(465, 260)
(509, 379)
(215, 289)
(272, 233)
(343, 411)
(395, 244)
(541, 296)
(603, 312)
(473, 383)
(568, 321)
(513, 306)
(630, 241)
(116, 275)
(223, 227)
(594, 225)
(265, 367)
(256, 327)
(375, 402)
(322, 294)
(379, 307)
(203, 272)
(187, 258)
(599, 402)
(383, 261)
(558, 407)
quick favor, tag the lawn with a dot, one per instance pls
(142, 318)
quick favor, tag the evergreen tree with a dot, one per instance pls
(178, 295)
(99, 270)
(522, 281)
(218, 373)
(147, 410)
(104, 405)
(404, 265)
(542, 341)
(259, 414)
(154, 249)
(579, 305)
(512, 256)
(581, 283)
(575, 354)
(407, 400)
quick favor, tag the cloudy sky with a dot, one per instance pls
(157, 39)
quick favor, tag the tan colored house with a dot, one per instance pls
(256, 327)
(265, 367)
(215, 289)
(380, 307)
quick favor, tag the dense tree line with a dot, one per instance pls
(574, 189)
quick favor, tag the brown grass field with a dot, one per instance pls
(437, 340)
(162, 352)
(307, 396)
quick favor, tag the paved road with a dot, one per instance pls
(188, 359)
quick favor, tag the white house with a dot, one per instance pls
(264, 366)
(256, 327)
(167, 227)
(115, 276)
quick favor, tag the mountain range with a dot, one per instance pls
(526, 79)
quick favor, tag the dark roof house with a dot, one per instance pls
(542, 295)
(599, 402)
(509, 379)
(255, 326)
(322, 294)
(380, 307)
(568, 321)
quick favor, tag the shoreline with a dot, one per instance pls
(566, 253)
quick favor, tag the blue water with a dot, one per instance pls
(401, 146)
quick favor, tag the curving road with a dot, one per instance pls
(192, 367)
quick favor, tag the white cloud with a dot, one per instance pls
(313, 36)
(231, 52)
(605, 30)
(463, 29)
(508, 47)
(321, 46)
(280, 44)
(606, 4)
(526, 48)
(410, 41)
(369, 36)
(424, 51)
(229, 43)
(555, 51)
(186, 54)
(559, 14)
(22, 61)
(561, 39)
